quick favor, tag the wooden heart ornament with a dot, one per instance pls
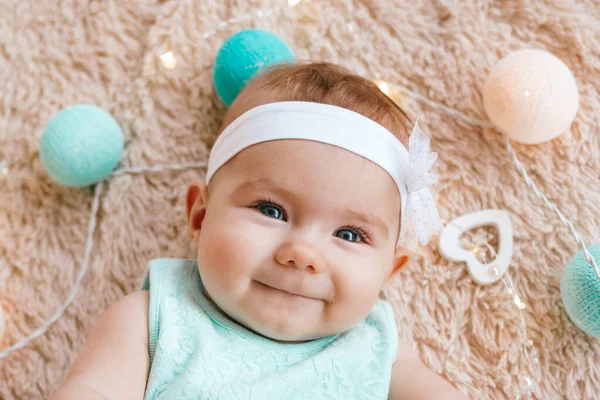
(450, 248)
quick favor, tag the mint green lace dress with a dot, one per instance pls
(197, 353)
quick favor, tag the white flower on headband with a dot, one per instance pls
(420, 221)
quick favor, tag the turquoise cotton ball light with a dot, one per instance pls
(580, 291)
(241, 56)
(81, 145)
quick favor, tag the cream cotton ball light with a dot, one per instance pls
(531, 96)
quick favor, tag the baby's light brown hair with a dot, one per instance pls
(321, 83)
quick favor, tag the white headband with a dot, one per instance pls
(351, 131)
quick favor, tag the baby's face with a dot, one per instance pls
(298, 238)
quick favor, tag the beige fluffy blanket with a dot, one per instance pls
(106, 52)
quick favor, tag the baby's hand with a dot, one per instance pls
(412, 380)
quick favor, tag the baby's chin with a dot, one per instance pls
(282, 327)
(298, 335)
(277, 320)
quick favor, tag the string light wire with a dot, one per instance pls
(521, 306)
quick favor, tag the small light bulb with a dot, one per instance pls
(520, 303)
(383, 86)
(493, 272)
(168, 60)
(293, 3)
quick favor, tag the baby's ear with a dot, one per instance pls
(196, 200)
(401, 258)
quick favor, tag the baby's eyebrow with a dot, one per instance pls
(263, 184)
(368, 219)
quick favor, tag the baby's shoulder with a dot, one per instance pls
(131, 311)
(133, 302)
(136, 301)
(127, 318)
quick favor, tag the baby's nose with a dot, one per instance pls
(300, 255)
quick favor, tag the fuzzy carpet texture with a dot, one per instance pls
(106, 52)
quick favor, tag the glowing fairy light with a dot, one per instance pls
(168, 60)
(383, 86)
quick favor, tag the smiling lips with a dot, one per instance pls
(286, 291)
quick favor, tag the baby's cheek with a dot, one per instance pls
(358, 292)
(224, 252)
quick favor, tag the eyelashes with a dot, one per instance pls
(360, 233)
(271, 209)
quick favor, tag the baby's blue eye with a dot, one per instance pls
(350, 235)
(271, 210)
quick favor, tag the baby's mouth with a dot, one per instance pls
(285, 291)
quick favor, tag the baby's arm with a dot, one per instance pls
(411, 380)
(114, 361)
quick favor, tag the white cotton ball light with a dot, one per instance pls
(531, 96)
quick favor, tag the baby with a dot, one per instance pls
(296, 228)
